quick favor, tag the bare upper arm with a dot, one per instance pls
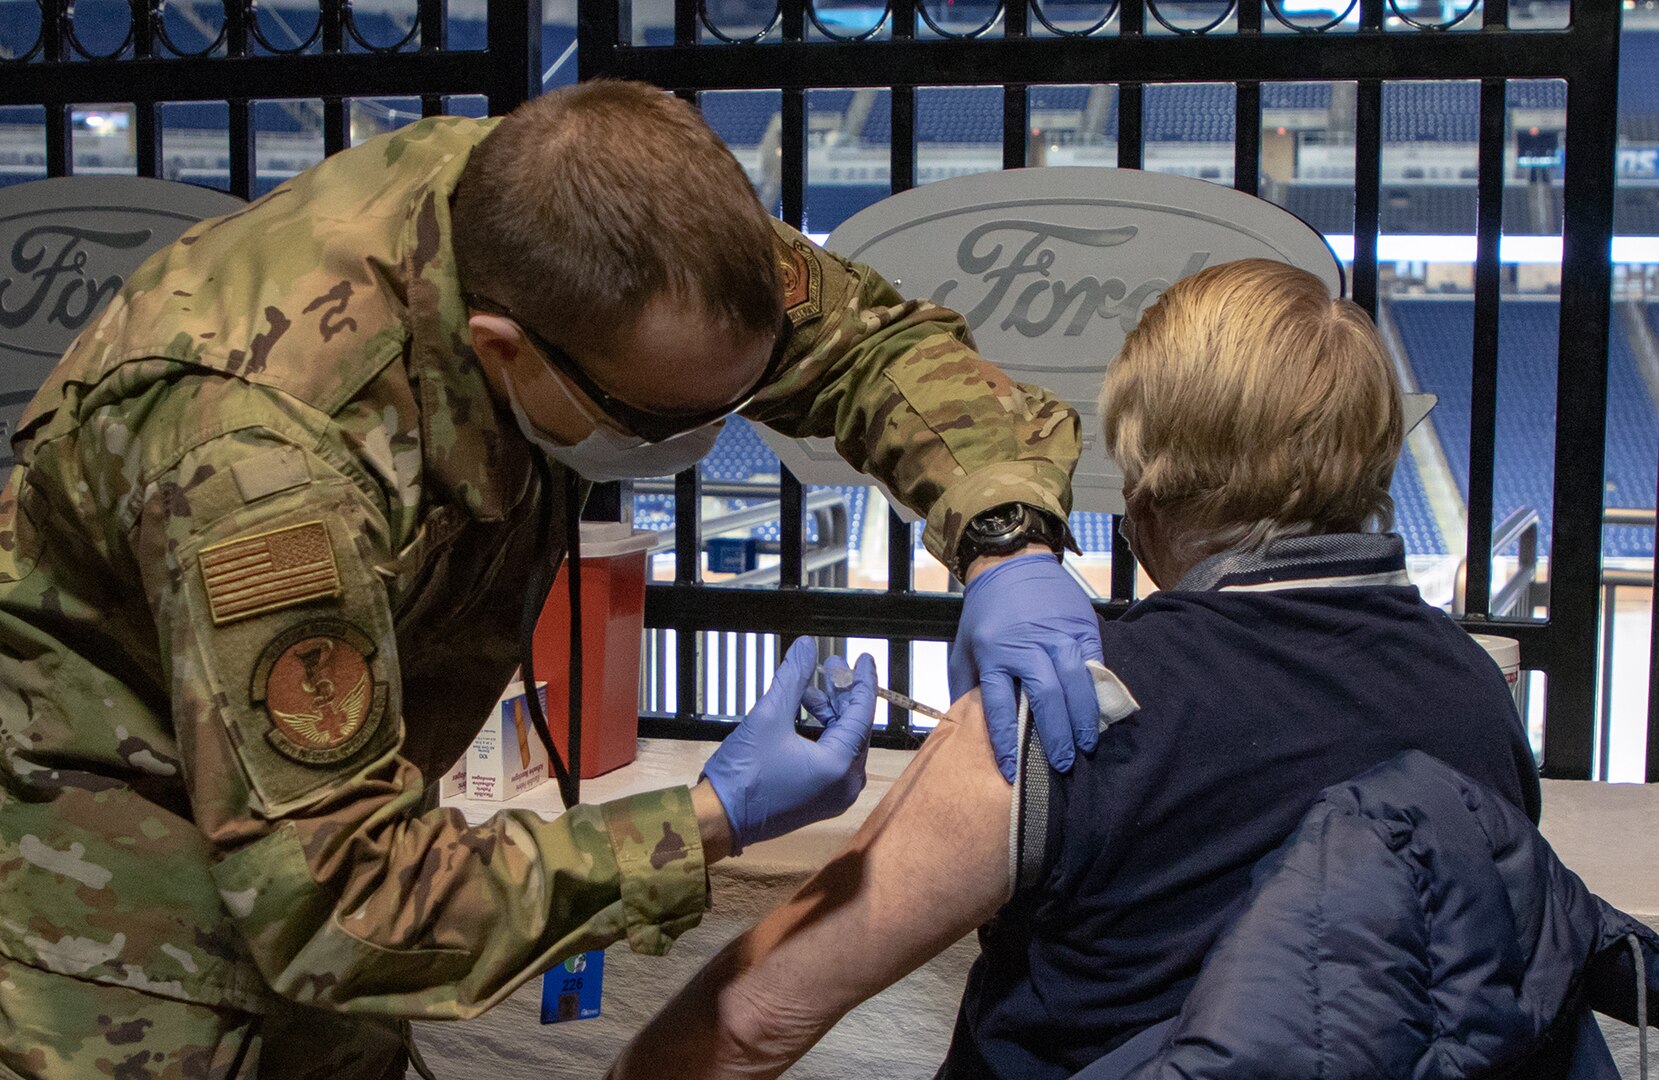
(928, 866)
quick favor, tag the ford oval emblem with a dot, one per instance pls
(66, 247)
(1051, 267)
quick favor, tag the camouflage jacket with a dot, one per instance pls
(262, 560)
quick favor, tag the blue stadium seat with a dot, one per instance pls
(1431, 112)
(966, 114)
(1438, 338)
(1638, 60)
(1296, 95)
(828, 205)
(740, 117)
(1178, 113)
(1413, 516)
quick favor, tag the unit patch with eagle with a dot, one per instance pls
(314, 683)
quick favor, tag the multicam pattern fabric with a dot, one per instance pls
(303, 365)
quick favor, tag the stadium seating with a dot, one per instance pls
(1431, 112)
(1638, 60)
(740, 455)
(828, 205)
(740, 117)
(1413, 516)
(1438, 336)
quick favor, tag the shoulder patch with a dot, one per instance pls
(317, 688)
(802, 281)
(252, 575)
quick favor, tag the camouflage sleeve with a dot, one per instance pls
(260, 563)
(898, 384)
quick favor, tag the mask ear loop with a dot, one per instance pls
(569, 780)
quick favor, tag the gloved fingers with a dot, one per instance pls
(849, 733)
(1048, 709)
(794, 675)
(838, 677)
(1082, 709)
(817, 703)
(996, 691)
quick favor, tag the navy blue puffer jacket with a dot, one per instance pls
(1415, 925)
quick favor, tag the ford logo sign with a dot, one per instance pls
(1051, 267)
(66, 247)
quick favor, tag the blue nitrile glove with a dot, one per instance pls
(771, 780)
(1025, 621)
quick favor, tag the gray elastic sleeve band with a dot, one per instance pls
(1028, 821)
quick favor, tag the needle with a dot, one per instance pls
(843, 678)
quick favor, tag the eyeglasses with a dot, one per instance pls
(651, 426)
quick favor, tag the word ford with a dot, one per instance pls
(1041, 304)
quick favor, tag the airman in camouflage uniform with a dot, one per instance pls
(262, 560)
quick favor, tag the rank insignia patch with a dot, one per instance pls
(798, 271)
(316, 685)
(252, 575)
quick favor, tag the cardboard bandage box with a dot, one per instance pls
(507, 758)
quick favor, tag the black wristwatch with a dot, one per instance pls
(1004, 529)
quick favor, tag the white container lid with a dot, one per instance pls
(608, 539)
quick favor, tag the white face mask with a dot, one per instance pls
(607, 454)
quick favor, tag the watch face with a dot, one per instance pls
(999, 522)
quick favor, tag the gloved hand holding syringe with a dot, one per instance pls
(841, 678)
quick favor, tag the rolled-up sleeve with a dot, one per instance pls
(908, 400)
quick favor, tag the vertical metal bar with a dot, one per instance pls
(722, 693)
(599, 29)
(1247, 112)
(55, 47)
(791, 529)
(1367, 172)
(1131, 155)
(1016, 125)
(146, 114)
(1495, 15)
(1015, 104)
(239, 118)
(1652, 772)
(1247, 138)
(688, 570)
(1483, 382)
(434, 33)
(1604, 714)
(336, 110)
(1367, 192)
(685, 22)
(900, 579)
(514, 41)
(1581, 388)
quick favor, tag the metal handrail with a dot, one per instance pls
(1515, 598)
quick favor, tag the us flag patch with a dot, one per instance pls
(256, 574)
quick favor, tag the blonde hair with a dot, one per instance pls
(1247, 404)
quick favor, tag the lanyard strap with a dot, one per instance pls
(569, 780)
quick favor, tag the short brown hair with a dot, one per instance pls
(1248, 404)
(587, 203)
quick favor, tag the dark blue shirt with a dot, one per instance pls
(1259, 687)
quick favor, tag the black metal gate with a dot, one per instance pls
(1253, 42)
(1122, 48)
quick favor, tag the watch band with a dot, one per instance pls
(1006, 528)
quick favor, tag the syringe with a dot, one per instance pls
(843, 678)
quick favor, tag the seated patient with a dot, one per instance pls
(1257, 424)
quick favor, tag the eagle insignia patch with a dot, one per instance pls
(316, 686)
(799, 273)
